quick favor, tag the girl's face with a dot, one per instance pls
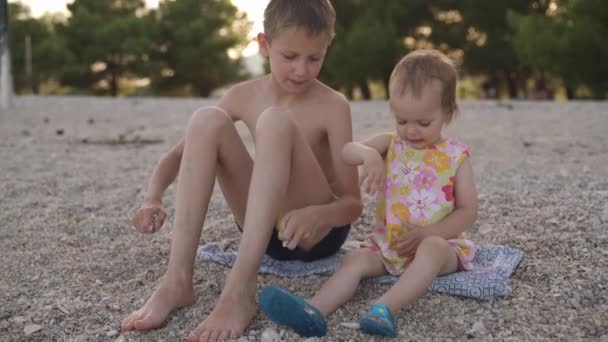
(419, 120)
(295, 57)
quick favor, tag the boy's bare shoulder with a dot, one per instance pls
(333, 101)
(238, 97)
(243, 90)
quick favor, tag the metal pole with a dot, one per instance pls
(6, 81)
(28, 63)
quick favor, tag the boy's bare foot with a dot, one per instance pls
(168, 296)
(228, 320)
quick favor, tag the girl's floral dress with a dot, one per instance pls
(419, 190)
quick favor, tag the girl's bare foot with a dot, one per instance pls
(228, 320)
(168, 296)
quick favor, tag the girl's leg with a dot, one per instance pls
(212, 147)
(434, 257)
(286, 174)
(341, 287)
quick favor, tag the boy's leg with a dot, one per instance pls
(285, 173)
(434, 257)
(212, 146)
(341, 287)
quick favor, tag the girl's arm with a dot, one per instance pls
(370, 154)
(465, 212)
(355, 153)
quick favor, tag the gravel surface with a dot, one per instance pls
(72, 172)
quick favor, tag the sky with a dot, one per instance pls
(253, 8)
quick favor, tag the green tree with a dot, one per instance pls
(369, 41)
(488, 47)
(192, 45)
(109, 40)
(48, 53)
(568, 44)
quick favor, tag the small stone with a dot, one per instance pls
(31, 328)
(19, 319)
(80, 338)
(350, 325)
(485, 229)
(5, 315)
(552, 221)
(98, 282)
(224, 244)
(112, 333)
(478, 329)
(121, 338)
(270, 335)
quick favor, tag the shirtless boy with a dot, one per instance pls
(295, 199)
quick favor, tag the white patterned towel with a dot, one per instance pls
(493, 265)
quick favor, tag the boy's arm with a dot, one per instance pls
(151, 216)
(230, 101)
(164, 174)
(465, 199)
(347, 206)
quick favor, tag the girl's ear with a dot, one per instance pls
(263, 42)
(451, 113)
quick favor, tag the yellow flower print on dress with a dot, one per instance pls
(394, 232)
(401, 211)
(437, 160)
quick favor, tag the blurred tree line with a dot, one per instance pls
(512, 48)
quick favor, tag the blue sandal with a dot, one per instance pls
(285, 308)
(378, 321)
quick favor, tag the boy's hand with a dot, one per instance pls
(299, 225)
(149, 218)
(407, 245)
(373, 172)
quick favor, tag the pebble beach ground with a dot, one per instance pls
(72, 172)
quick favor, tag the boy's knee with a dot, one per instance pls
(276, 122)
(209, 119)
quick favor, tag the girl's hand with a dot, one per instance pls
(407, 245)
(373, 172)
(300, 226)
(149, 218)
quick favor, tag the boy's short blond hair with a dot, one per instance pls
(317, 16)
(418, 68)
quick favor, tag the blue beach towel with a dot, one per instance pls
(493, 265)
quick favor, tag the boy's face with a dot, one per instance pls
(419, 120)
(295, 57)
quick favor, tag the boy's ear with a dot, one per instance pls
(263, 43)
